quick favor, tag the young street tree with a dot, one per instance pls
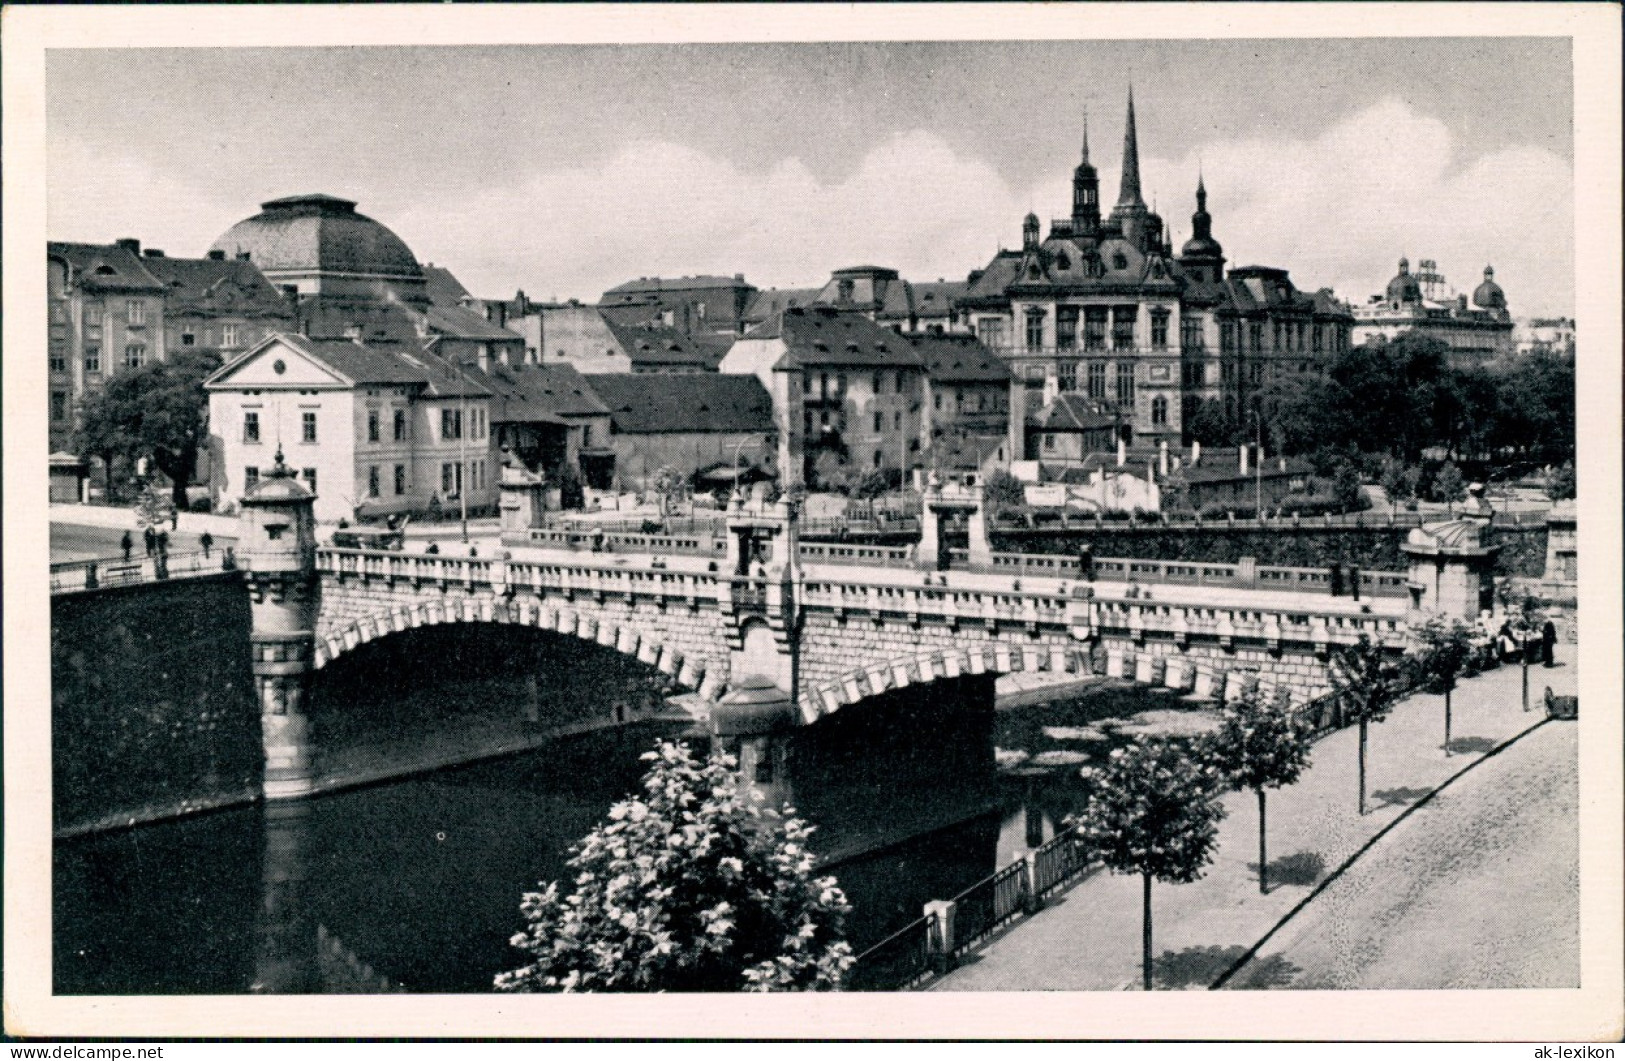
(1443, 650)
(1152, 810)
(156, 410)
(1260, 746)
(1367, 683)
(687, 887)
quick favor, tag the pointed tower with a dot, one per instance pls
(1201, 257)
(1085, 192)
(1129, 215)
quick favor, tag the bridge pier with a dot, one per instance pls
(943, 499)
(277, 551)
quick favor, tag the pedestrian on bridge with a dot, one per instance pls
(163, 543)
(150, 536)
(207, 541)
(126, 543)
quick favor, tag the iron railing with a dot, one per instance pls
(902, 960)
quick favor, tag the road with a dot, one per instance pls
(75, 541)
(1478, 888)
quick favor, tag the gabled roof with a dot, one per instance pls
(642, 404)
(455, 322)
(822, 336)
(1070, 411)
(775, 300)
(216, 286)
(350, 362)
(958, 359)
(649, 284)
(108, 267)
(553, 393)
(442, 287)
(937, 299)
(653, 346)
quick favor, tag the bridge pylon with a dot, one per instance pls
(277, 552)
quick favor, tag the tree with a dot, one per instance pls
(832, 473)
(1367, 683)
(687, 887)
(1398, 479)
(1260, 746)
(1562, 486)
(1210, 424)
(1005, 490)
(1448, 485)
(1152, 810)
(1176, 493)
(1443, 648)
(668, 487)
(870, 485)
(157, 411)
(572, 491)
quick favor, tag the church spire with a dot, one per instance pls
(1129, 189)
(1086, 136)
(1085, 191)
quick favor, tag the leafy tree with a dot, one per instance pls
(1176, 493)
(1562, 486)
(157, 411)
(668, 487)
(1260, 746)
(1444, 646)
(870, 485)
(1448, 484)
(1210, 424)
(1005, 490)
(832, 472)
(1398, 479)
(687, 887)
(1151, 809)
(1346, 487)
(572, 490)
(1367, 683)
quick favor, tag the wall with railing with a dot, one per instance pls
(80, 575)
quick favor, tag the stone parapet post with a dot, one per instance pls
(941, 937)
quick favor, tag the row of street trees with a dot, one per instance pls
(690, 887)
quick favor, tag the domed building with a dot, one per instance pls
(1423, 302)
(321, 247)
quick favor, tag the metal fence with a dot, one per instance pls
(900, 961)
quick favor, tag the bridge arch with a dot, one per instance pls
(1215, 679)
(697, 673)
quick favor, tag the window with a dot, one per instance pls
(135, 355)
(586, 436)
(877, 458)
(1066, 327)
(228, 335)
(188, 339)
(1159, 411)
(309, 475)
(59, 361)
(1257, 373)
(1125, 384)
(879, 423)
(59, 405)
(307, 425)
(136, 312)
(823, 386)
(1227, 337)
(1097, 379)
(1062, 262)
(899, 382)
(1094, 328)
(1035, 328)
(400, 479)
(1123, 327)
(879, 384)
(1068, 375)
(1159, 329)
(936, 401)
(448, 478)
(1227, 372)
(251, 426)
(1195, 373)
(372, 481)
(1049, 442)
(1316, 338)
(1255, 336)
(93, 359)
(991, 331)
(451, 423)
(897, 420)
(372, 425)
(93, 313)
(400, 425)
(251, 476)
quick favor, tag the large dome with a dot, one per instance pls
(318, 234)
(1489, 295)
(1403, 287)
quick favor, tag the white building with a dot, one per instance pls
(372, 428)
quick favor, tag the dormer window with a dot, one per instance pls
(1062, 262)
(1119, 261)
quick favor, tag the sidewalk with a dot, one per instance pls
(1088, 939)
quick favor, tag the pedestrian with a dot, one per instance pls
(150, 536)
(174, 517)
(433, 549)
(473, 551)
(1086, 563)
(1354, 581)
(1548, 643)
(163, 543)
(1337, 580)
(126, 543)
(207, 541)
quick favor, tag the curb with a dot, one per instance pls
(1252, 952)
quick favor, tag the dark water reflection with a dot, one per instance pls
(414, 885)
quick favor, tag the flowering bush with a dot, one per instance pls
(687, 887)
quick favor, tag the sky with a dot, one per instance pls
(564, 170)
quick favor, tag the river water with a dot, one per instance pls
(414, 885)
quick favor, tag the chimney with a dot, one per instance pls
(1196, 453)
(1122, 451)
(485, 357)
(1283, 464)
(217, 255)
(1241, 455)
(131, 245)
(1162, 450)
(153, 252)
(1052, 387)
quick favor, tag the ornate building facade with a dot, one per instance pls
(1422, 302)
(1103, 307)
